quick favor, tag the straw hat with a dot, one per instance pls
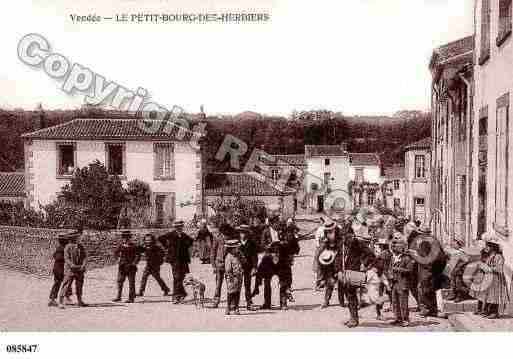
(232, 243)
(490, 237)
(244, 228)
(383, 242)
(326, 257)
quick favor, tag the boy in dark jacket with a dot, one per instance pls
(58, 272)
(129, 255)
(402, 269)
(154, 259)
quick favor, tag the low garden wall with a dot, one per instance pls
(30, 250)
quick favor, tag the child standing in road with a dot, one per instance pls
(234, 276)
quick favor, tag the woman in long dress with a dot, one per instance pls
(494, 292)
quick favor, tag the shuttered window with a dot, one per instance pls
(504, 21)
(164, 161)
(501, 163)
(485, 31)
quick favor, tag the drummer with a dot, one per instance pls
(326, 258)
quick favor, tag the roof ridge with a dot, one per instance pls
(59, 125)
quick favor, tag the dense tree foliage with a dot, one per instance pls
(275, 135)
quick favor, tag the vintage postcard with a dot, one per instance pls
(255, 166)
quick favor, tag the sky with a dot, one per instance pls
(359, 57)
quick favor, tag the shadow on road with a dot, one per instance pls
(97, 305)
(383, 325)
(304, 307)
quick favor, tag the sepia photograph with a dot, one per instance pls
(255, 166)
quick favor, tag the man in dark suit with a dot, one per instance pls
(267, 268)
(154, 259)
(178, 246)
(129, 255)
(249, 252)
(402, 268)
(355, 256)
(58, 272)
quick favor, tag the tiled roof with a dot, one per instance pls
(364, 159)
(324, 150)
(294, 160)
(425, 143)
(107, 128)
(238, 184)
(454, 50)
(394, 171)
(12, 184)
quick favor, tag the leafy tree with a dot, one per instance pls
(100, 195)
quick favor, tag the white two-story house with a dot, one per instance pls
(417, 159)
(166, 158)
(327, 177)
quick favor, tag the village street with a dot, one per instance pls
(23, 307)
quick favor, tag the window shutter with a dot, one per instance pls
(485, 31)
(157, 160)
(172, 161)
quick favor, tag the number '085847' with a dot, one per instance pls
(21, 348)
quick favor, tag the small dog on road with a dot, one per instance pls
(198, 290)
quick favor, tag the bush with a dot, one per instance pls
(238, 211)
(15, 214)
(97, 196)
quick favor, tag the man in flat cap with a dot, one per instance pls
(129, 255)
(75, 260)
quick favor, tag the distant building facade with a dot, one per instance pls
(170, 163)
(395, 188)
(417, 158)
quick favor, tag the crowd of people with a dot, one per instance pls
(370, 261)
(232, 251)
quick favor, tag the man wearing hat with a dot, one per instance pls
(58, 272)
(178, 246)
(267, 268)
(75, 260)
(154, 258)
(129, 255)
(402, 268)
(217, 256)
(249, 251)
(354, 255)
(329, 251)
(383, 264)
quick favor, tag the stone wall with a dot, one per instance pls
(30, 250)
